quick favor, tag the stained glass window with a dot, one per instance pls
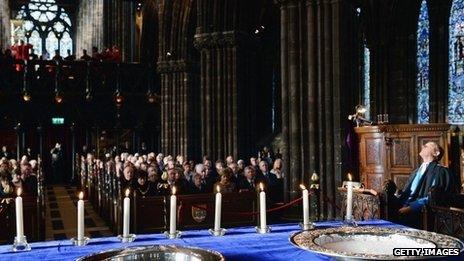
(456, 65)
(46, 26)
(65, 44)
(366, 74)
(366, 95)
(51, 43)
(36, 42)
(422, 77)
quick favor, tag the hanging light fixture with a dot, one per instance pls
(26, 95)
(151, 96)
(118, 97)
(58, 94)
(58, 98)
(88, 84)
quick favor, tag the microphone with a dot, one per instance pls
(365, 120)
(359, 119)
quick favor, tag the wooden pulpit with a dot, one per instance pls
(392, 151)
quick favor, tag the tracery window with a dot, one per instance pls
(46, 26)
(456, 64)
(423, 59)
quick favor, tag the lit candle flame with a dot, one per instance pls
(18, 192)
(218, 189)
(81, 195)
(303, 187)
(350, 178)
(173, 190)
(127, 192)
(261, 186)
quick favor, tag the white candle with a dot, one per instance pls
(172, 218)
(262, 207)
(126, 221)
(80, 217)
(305, 205)
(217, 213)
(349, 199)
(19, 216)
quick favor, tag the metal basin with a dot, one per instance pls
(157, 252)
(371, 242)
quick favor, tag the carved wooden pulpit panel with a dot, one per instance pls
(392, 151)
(365, 206)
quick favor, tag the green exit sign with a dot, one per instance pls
(57, 121)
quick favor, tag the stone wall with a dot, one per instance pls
(4, 24)
(89, 26)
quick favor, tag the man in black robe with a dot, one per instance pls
(4, 153)
(430, 175)
(57, 164)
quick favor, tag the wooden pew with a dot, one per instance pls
(7, 227)
(445, 215)
(151, 214)
(445, 220)
(197, 211)
(34, 222)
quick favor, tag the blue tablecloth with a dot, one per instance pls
(238, 244)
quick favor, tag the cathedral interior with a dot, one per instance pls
(100, 96)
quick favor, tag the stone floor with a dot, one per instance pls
(61, 215)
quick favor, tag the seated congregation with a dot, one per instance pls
(429, 200)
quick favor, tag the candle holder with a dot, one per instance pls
(306, 227)
(20, 244)
(127, 239)
(174, 235)
(263, 230)
(80, 242)
(217, 233)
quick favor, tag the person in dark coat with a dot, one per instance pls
(29, 181)
(57, 163)
(143, 187)
(6, 186)
(197, 186)
(226, 185)
(430, 175)
(5, 153)
(251, 180)
(127, 180)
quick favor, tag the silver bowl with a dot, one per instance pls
(371, 243)
(156, 252)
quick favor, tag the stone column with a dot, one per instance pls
(313, 74)
(19, 131)
(177, 68)
(5, 29)
(439, 13)
(178, 107)
(291, 82)
(89, 26)
(40, 132)
(227, 116)
(119, 25)
(72, 128)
